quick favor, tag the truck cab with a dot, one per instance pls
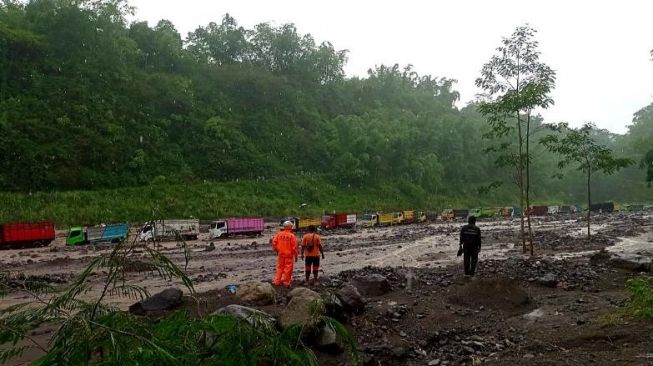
(76, 236)
(328, 222)
(147, 232)
(476, 212)
(218, 229)
(369, 220)
(397, 218)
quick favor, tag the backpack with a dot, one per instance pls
(309, 247)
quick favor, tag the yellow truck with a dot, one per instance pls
(368, 220)
(376, 219)
(385, 219)
(409, 217)
(302, 223)
(420, 216)
(397, 218)
(448, 214)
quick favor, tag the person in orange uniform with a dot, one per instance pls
(284, 244)
(311, 249)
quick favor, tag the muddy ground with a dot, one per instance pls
(433, 315)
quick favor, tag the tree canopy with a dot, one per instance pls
(90, 100)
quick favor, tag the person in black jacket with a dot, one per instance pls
(470, 241)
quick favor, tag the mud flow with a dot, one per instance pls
(547, 309)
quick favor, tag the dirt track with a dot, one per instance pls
(443, 313)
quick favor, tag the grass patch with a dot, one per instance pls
(640, 304)
(210, 200)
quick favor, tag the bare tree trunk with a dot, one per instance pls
(589, 203)
(520, 170)
(528, 181)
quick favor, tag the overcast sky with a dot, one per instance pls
(600, 49)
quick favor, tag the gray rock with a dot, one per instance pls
(327, 341)
(372, 284)
(167, 299)
(302, 310)
(254, 317)
(548, 280)
(633, 262)
(435, 362)
(529, 355)
(399, 352)
(534, 315)
(351, 299)
(257, 293)
(302, 292)
(334, 307)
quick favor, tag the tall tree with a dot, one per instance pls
(515, 83)
(578, 146)
(647, 163)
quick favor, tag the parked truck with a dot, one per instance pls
(634, 207)
(448, 214)
(376, 219)
(112, 233)
(338, 220)
(476, 212)
(602, 207)
(26, 234)
(409, 217)
(461, 213)
(170, 230)
(489, 212)
(302, 223)
(516, 211)
(564, 209)
(397, 218)
(505, 211)
(420, 216)
(538, 210)
(236, 226)
(368, 220)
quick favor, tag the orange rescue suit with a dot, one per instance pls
(285, 245)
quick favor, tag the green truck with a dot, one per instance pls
(113, 233)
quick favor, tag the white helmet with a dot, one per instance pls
(287, 224)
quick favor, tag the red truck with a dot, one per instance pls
(340, 219)
(538, 210)
(26, 234)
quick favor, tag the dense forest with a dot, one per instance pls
(90, 101)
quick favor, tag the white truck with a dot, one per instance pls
(170, 230)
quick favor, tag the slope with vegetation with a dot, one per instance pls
(99, 107)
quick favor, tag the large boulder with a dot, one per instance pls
(548, 280)
(302, 292)
(327, 340)
(633, 262)
(256, 293)
(334, 307)
(372, 284)
(302, 309)
(167, 299)
(351, 299)
(257, 318)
